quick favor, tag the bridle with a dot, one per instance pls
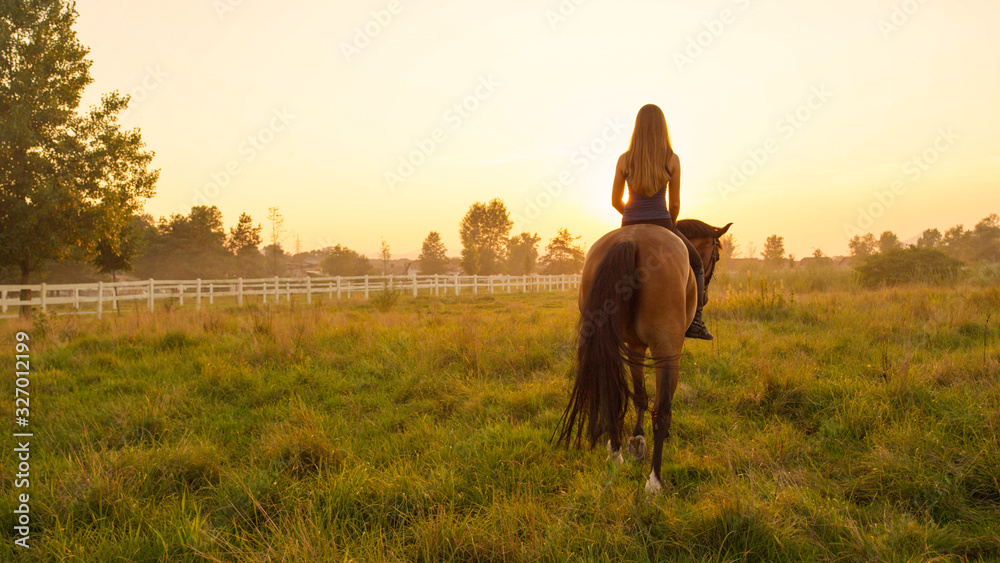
(710, 267)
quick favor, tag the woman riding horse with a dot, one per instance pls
(650, 167)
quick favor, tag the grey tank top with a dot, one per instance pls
(642, 207)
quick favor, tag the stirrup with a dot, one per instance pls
(698, 330)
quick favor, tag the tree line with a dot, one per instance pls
(979, 244)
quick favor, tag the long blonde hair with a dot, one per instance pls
(649, 152)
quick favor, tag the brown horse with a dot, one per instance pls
(637, 293)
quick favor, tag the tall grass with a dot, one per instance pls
(823, 424)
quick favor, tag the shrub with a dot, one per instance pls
(913, 264)
(386, 298)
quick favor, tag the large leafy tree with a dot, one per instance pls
(561, 255)
(342, 261)
(69, 182)
(930, 238)
(484, 232)
(862, 246)
(888, 241)
(522, 252)
(187, 247)
(432, 255)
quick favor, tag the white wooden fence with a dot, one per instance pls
(100, 297)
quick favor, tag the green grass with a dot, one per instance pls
(823, 424)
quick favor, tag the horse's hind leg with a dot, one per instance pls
(667, 375)
(636, 445)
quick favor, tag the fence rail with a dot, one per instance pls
(98, 298)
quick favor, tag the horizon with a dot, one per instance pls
(388, 120)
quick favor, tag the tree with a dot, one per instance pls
(862, 246)
(484, 232)
(68, 181)
(888, 241)
(561, 255)
(111, 258)
(930, 238)
(774, 249)
(277, 258)
(956, 242)
(522, 253)
(244, 235)
(187, 247)
(342, 261)
(385, 255)
(432, 255)
(984, 241)
(244, 242)
(730, 248)
(818, 253)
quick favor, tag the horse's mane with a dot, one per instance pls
(693, 228)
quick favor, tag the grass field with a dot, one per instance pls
(825, 423)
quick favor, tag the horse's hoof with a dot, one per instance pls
(615, 456)
(653, 485)
(636, 448)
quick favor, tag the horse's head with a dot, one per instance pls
(706, 240)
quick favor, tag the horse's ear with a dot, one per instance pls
(721, 231)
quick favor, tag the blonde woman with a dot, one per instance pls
(651, 170)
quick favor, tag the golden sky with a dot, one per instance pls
(386, 119)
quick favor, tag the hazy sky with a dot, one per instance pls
(374, 119)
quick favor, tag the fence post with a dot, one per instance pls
(180, 289)
(239, 292)
(197, 295)
(456, 284)
(309, 290)
(475, 284)
(151, 288)
(100, 300)
(338, 288)
(414, 278)
(3, 300)
(41, 296)
(366, 287)
(436, 293)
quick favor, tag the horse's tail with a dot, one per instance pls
(601, 393)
